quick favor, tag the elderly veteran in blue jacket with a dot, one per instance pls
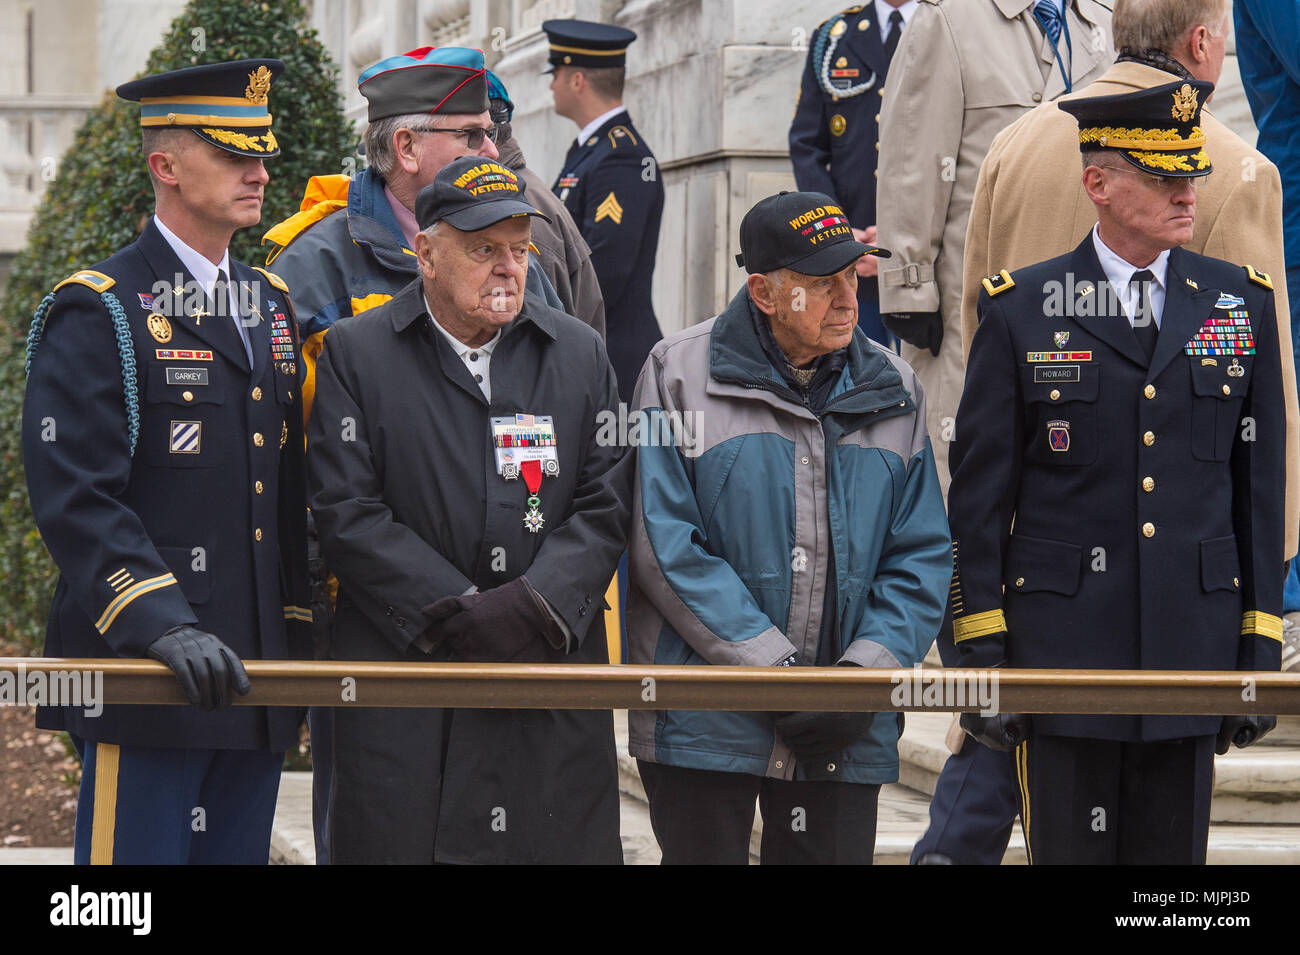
(801, 525)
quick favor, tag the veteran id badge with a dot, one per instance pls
(524, 437)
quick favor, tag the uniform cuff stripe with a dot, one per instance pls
(297, 613)
(1261, 624)
(124, 599)
(978, 625)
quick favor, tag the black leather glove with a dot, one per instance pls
(1003, 732)
(818, 737)
(206, 668)
(1242, 731)
(507, 624)
(918, 329)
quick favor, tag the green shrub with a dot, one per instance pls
(98, 202)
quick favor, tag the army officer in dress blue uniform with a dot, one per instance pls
(162, 438)
(1124, 411)
(833, 136)
(610, 184)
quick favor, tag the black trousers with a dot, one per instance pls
(1102, 802)
(701, 817)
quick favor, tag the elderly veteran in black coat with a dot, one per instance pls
(471, 514)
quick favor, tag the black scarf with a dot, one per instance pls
(1158, 59)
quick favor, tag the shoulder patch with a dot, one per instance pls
(97, 281)
(1259, 278)
(997, 284)
(274, 280)
(621, 132)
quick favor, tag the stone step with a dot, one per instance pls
(1260, 784)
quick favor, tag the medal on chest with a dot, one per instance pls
(524, 444)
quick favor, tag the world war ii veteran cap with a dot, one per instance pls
(806, 232)
(449, 79)
(472, 193)
(1158, 130)
(583, 43)
(226, 104)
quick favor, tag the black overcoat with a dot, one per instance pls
(410, 509)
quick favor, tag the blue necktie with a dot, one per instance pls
(1048, 15)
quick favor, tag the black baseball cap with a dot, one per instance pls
(806, 232)
(472, 193)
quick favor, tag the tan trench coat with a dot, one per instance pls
(964, 69)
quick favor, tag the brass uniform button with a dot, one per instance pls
(258, 487)
(1149, 438)
(1055, 395)
(1149, 391)
(1148, 484)
(1236, 582)
(1020, 581)
(257, 394)
(257, 534)
(258, 440)
(187, 395)
(1148, 529)
(1227, 390)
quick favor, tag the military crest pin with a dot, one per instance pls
(1060, 338)
(1058, 435)
(159, 328)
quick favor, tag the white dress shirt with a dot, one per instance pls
(477, 359)
(1120, 272)
(587, 131)
(883, 10)
(205, 273)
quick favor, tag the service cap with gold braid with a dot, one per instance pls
(1157, 130)
(584, 43)
(226, 104)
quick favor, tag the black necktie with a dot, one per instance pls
(1144, 318)
(895, 31)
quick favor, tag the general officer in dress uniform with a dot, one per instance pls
(833, 137)
(610, 184)
(162, 437)
(1124, 411)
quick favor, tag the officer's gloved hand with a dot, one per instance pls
(1003, 732)
(1242, 731)
(918, 329)
(507, 624)
(818, 737)
(206, 668)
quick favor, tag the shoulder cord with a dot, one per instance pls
(824, 38)
(125, 351)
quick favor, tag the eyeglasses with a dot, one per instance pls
(474, 135)
(1163, 183)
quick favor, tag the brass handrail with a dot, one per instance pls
(565, 686)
